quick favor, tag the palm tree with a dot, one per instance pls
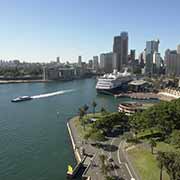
(160, 158)
(94, 104)
(153, 144)
(103, 110)
(81, 113)
(85, 107)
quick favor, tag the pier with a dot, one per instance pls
(139, 96)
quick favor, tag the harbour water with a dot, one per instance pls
(34, 142)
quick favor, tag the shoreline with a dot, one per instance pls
(23, 81)
(13, 81)
(76, 153)
(90, 160)
(146, 96)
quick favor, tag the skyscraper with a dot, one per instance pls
(79, 60)
(95, 63)
(133, 54)
(58, 59)
(120, 47)
(172, 60)
(106, 62)
(124, 48)
(151, 48)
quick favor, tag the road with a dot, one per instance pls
(113, 148)
(122, 170)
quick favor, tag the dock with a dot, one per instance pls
(139, 96)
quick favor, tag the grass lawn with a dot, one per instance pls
(87, 126)
(145, 164)
(146, 133)
(161, 146)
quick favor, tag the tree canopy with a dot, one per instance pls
(164, 116)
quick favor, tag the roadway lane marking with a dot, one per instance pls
(128, 170)
(125, 162)
(110, 153)
(119, 153)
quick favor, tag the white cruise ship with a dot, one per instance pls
(113, 82)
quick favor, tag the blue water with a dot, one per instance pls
(34, 142)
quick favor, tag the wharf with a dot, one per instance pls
(140, 96)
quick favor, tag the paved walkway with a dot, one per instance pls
(113, 148)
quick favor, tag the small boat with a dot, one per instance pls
(21, 98)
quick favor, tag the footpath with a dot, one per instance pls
(113, 148)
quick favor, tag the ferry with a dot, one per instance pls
(21, 98)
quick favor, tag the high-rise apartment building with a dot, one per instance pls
(120, 47)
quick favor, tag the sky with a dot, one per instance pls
(41, 30)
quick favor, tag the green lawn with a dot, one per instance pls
(87, 126)
(145, 164)
(161, 146)
(146, 133)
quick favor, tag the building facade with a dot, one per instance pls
(106, 62)
(172, 61)
(95, 64)
(79, 60)
(151, 48)
(120, 48)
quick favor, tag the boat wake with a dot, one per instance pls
(52, 94)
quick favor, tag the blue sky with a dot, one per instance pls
(40, 30)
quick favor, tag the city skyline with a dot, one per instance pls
(41, 31)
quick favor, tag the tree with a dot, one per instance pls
(103, 110)
(175, 138)
(104, 166)
(160, 158)
(153, 144)
(81, 115)
(95, 135)
(94, 104)
(85, 107)
(107, 122)
(171, 161)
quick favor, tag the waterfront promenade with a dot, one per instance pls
(147, 96)
(113, 148)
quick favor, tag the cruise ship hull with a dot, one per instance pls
(119, 89)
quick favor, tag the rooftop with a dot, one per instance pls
(138, 82)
